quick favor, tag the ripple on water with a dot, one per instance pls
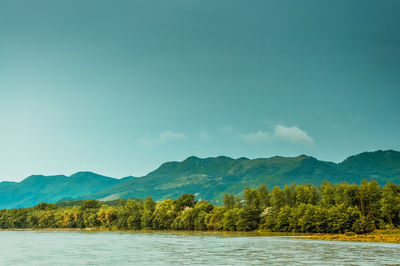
(112, 248)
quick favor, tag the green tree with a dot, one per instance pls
(90, 204)
(328, 193)
(249, 218)
(214, 219)
(229, 201)
(277, 198)
(284, 219)
(264, 197)
(306, 194)
(390, 204)
(107, 216)
(230, 218)
(164, 215)
(370, 202)
(147, 213)
(202, 208)
(186, 200)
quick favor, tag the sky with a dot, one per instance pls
(119, 87)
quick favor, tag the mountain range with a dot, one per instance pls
(207, 178)
(38, 188)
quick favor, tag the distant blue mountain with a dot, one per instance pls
(38, 188)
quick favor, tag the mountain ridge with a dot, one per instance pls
(209, 178)
(40, 188)
(199, 176)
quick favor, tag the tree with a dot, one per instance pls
(186, 200)
(390, 204)
(230, 218)
(284, 219)
(90, 204)
(164, 215)
(147, 214)
(306, 194)
(277, 198)
(214, 218)
(202, 208)
(107, 216)
(328, 192)
(251, 198)
(186, 219)
(248, 219)
(229, 201)
(129, 215)
(45, 206)
(370, 202)
(264, 197)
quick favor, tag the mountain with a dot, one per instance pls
(210, 178)
(383, 166)
(207, 178)
(39, 188)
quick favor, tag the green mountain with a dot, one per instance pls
(207, 178)
(210, 178)
(39, 188)
(383, 166)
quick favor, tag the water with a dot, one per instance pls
(113, 248)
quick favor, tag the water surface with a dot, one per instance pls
(114, 248)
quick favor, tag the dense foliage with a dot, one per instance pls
(297, 208)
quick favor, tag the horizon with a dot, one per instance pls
(119, 88)
(201, 158)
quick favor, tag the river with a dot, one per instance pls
(115, 248)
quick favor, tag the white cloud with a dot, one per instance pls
(170, 135)
(204, 135)
(292, 134)
(162, 138)
(287, 134)
(257, 137)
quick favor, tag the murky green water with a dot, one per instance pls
(113, 248)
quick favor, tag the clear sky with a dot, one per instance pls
(118, 87)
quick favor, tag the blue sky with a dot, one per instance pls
(119, 87)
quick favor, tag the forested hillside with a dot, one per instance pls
(296, 208)
(39, 188)
(207, 179)
(210, 178)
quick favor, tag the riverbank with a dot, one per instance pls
(176, 232)
(386, 236)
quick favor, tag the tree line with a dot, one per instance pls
(329, 208)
